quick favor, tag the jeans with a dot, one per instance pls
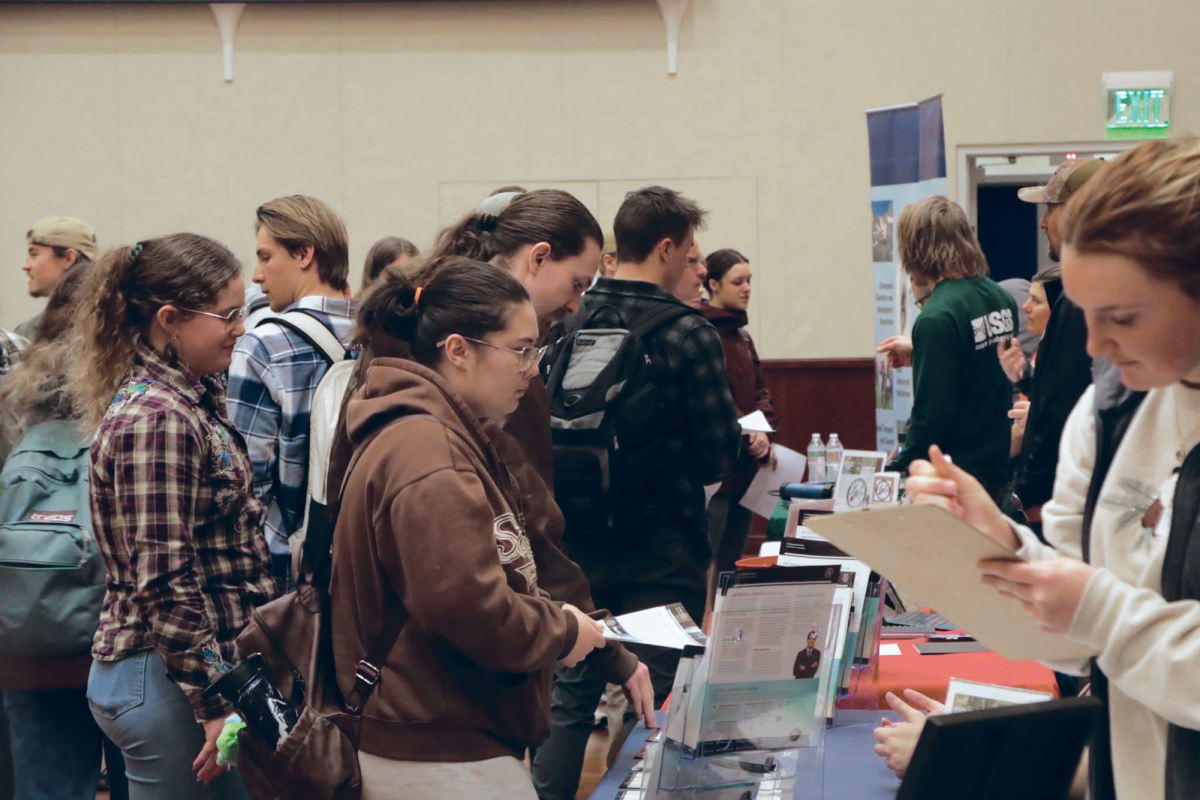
(56, 746)
(150, 719)
(728, 531)
(662, 568)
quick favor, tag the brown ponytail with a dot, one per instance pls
(545, 215)
(124, 292)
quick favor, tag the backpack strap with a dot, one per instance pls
(656, 318)
(368, 670)
(309, 328)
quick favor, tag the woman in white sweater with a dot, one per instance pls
(1118, 575)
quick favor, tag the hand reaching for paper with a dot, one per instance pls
(896, 741)
(939, 482)
(759, 445)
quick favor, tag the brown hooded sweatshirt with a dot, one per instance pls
(430, 529)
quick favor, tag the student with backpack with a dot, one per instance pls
(303, 264)
(431, 533)
(172, 504)
(643, 420)
(549, 241)
(51, 573)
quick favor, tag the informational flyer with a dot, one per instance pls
(665, 626)
(765, 673)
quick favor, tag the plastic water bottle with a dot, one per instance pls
(816, 459)
(833, 458)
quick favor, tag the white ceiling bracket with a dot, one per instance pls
(227, 15)
(672, 11)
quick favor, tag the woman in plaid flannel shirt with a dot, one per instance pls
(172, 507)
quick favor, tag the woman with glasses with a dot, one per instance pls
(961, 396)
(173, 507)
(431, 560)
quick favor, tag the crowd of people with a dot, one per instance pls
(471, 530)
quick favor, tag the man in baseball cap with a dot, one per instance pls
(1064, 369)
(54, 246)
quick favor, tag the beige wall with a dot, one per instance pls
(119, 115)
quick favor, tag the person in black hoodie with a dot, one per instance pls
(1064, 369)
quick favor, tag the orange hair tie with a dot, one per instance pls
(417, 296)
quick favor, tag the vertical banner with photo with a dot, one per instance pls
(908, 162)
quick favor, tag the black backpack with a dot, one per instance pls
(606, 416)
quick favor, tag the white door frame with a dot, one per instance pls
(965, 153)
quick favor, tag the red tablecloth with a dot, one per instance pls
(930, 675)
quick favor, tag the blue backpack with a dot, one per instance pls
(51, 571)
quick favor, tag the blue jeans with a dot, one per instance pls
(56, 746)
(150, 719)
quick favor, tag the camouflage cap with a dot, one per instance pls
(64, 232)
(1065, 182)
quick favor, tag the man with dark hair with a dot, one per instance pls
(303, 265)
(1064, 369)
(666, 560)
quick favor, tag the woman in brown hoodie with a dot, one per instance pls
(728, 285)
(431, 530)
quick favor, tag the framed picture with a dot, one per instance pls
(966, 695)
(856, 479)
(887, 488)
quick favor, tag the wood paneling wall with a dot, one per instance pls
(820, 396)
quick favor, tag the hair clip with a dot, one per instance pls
(417, 296)
(488, 222)
(135, 252)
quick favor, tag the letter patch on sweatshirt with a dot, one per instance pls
(513, 548)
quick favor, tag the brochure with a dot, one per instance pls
(755, 423)
(665, 626)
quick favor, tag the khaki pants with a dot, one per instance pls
(503, 778)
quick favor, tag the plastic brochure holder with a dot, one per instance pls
(748, 739)
(865, 668)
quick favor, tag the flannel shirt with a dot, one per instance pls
(175, 517)
(705, 436)
(272, 380)
(11, 346)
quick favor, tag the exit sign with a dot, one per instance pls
(1139, 105)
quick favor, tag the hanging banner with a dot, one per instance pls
(908, 162)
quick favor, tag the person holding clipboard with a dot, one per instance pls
(1118, 574)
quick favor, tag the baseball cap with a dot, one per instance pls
(64, 232)
(1065, 182)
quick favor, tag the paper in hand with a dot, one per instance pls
(755, 423)
(665, 626)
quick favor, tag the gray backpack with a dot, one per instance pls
(51, 571)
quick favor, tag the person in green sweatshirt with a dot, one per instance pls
(961, 396)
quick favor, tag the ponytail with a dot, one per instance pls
(545, 215)
(452, 295)
(121, 296)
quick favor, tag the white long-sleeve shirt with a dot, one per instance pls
(1147, 647)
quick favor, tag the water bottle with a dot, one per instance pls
(833, 458)
(816, 459)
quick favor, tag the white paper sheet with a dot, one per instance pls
(889, 649)
(789, 468)
(756, 422)
(665, 626)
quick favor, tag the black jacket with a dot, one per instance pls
(1064, 371)
(1115, 409)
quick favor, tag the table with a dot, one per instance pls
(930, 675)
(852, 770)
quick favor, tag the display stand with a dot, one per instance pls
(727, 737)
(865, 668)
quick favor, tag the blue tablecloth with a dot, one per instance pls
(852, 770)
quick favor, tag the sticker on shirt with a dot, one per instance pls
(514, 549)
(991, 329)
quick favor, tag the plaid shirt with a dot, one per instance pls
(175, 516)
(705, 436)
(272, 380)
(11, 345)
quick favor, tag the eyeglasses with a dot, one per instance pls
(527, 357)
(231, 319)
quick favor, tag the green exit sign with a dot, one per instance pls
(1139, 106)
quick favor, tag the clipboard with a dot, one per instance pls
(933, 554)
